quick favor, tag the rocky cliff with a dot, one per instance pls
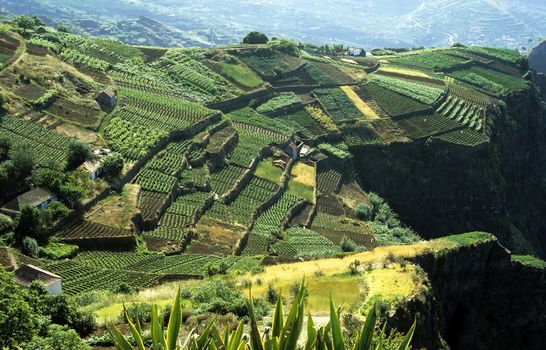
(479, 298)
(498, 187)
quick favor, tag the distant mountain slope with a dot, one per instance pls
(363, 23)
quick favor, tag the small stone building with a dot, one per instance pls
(107, 98)
(37, 197)
(26, 274)
(92, 168)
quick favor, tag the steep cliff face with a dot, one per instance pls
(480, 299)
(498, 187)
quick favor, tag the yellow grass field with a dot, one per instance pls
(404, 71)
(304, 174)
(361, 105)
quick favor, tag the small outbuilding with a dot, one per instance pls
(107, 98)
(92, 168)
(37, 197)
(26, 274)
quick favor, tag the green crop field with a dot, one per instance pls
(241, 75)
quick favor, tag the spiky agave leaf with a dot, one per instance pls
(311, 333)
(407, 339)
(137, 335)
(158, 340)
(294, 322)
(364, 341)
(121, 342)
(335, 326)
(278, 319)
(255, 336)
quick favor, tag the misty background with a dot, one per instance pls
(362, 23)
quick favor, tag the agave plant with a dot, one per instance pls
(284, 333)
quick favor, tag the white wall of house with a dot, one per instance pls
(55, 288)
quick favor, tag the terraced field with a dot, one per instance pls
(243, 150)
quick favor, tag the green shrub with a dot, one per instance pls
(6, 224)
(284, 332)
(78, 152)
(58, 338)
(363, 211)
(57, 251)
(30, 247)
(347, 245)
(255, 38)
(112, 165)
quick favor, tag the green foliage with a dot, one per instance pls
(27, 314)
(58, 338)
(283, 100)
(530, 260)
(221, 297)
(469, 238)
(6, 224)
(112, 165)
(284, 334)
(240, 74)
(30, 247)
(423, 93)
(29, 223)
(347, 245)
(26, 24)
(363, 211)
(57, 251)
(338, 105)
(78, 153)
(338, 150)
(255, 38)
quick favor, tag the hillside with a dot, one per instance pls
(220, 161)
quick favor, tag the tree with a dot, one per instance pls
(5, 145)
(29, 223)
(31, 247)
(23, 161)
(4, 99)
(255, 38)
(347, 244)
(78, 152)
(58, 338)
(112, 165)
(18, 322)
(363, 211)
(71, 194)
(49, 178)
(27, 24)
(63, 29)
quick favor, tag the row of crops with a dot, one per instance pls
(464, 137)
(304, 123)
(304, 243)
(133, 141)
(282, 100)
(463, 111)
(490, 81)
(420, 92)
(146, 79)
(88, 229)
(107, 270)
(329, 180)
(251, 197)
(183, 67)
(223, 180)
(338, 105)
(425, 125)
(46, 145)
(389, 101)
(250, 117)
(267, 63)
